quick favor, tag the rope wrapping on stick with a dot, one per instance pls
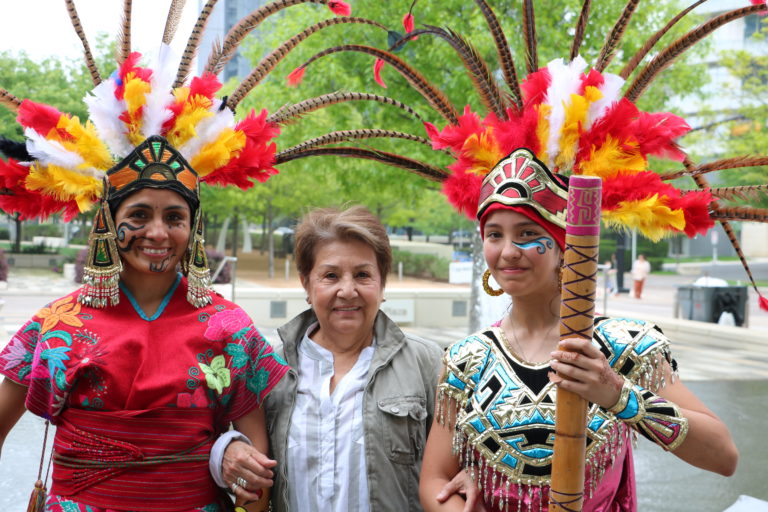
(577, 309)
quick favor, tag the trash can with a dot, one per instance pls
(708, 303)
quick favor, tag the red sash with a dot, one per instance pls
(155, 460)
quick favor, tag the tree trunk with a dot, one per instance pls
(478, 267)
(263, 241)
(409, 232)
(270, 242)
(17, 242)
(235, 222)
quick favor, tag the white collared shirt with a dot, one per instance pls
(326, 444)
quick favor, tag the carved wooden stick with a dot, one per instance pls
(577, 308)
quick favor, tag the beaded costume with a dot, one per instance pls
(504, 413)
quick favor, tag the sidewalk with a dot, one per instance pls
(706, 351)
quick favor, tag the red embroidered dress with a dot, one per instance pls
(123, 387)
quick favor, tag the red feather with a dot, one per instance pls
(615, 122)
(695, 206)
(38, 116)
(463, 191)
(29, 204)
(761, 13)
(408, 24)
(518, 132)
(296, 76)
(453, 136)
(206, 85)
(535, 87)
(655, 132)
(762, 301)
(377, 67)
(256, 160)
(340, 8)
(594, 79)
(128, 66)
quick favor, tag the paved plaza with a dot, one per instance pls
(727, 367)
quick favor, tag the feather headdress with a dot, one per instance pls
(68, 158)
(574, 119)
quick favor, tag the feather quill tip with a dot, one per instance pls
(377, 67)
(340, 8)
(763, 302)
(296, 76)
(760, 2)
(408, 24)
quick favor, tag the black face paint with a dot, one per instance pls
(121, 236)
(160, 267)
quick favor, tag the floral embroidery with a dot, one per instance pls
(217, 375)
(234, 323)
(257, 381)
(239, 357)
(63, 310)
(196, 399)
(17, 353)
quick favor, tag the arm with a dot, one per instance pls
(438, 468)
(707, 444)
(12, 396)
(250, 462)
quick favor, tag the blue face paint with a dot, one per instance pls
(541, 244)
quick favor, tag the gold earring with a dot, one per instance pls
(487, 287)
(560, 276)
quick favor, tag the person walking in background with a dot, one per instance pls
(640, 270)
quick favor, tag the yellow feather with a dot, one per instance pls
(219, 152)
(484, 150)
(194, 111)
(86, 143)
(136, 91)
(575, 118)
(612, 157)
(64, 184)
(542, 130)
(650, 216)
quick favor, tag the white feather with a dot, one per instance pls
(104, 111)
(564, 81)
(49, 152)
(156, 111)
(610, 89)
(208, 130)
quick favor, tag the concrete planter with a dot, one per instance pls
(25, 260)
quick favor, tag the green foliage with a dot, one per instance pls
(424, 266)
(33, 230)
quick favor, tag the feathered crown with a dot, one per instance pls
(61, 166)
(574, 119)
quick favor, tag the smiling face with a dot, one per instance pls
(522, 256)
(345, 289)
(153, 228)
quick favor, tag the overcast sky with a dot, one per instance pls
(42, 27)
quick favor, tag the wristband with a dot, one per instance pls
(217, 454)
(656, 418)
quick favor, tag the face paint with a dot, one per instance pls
(123, 244)
(541, 244)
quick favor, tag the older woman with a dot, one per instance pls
(348, 424)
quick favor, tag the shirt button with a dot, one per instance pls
(395, 410)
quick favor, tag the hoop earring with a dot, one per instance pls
(487, 287)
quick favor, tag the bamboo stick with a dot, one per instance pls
(577, 307)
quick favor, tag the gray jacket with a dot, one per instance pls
(398, 405)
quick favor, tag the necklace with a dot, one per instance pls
(523, 356)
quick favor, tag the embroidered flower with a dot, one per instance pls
(17, 352)
(63, 310)
(257, 382)
(188, 400)
(217, 374)
(239, 357)
(230, 322)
